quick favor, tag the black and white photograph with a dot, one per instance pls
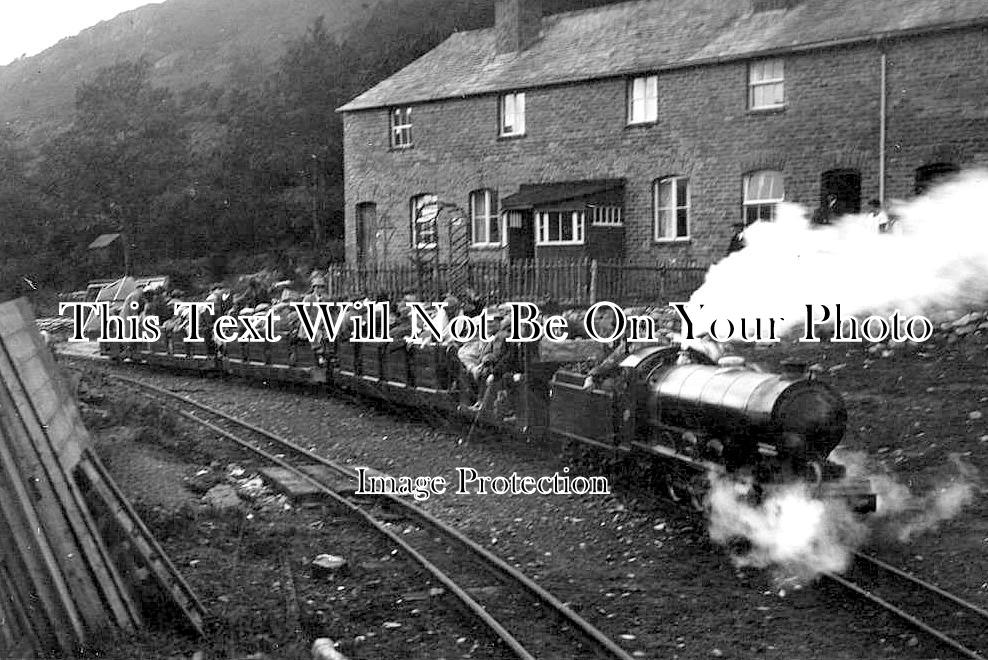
(487, 329)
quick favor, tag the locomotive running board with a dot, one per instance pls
(665, 452)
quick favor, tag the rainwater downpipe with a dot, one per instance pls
(881, 129)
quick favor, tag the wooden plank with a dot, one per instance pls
(88, 568)
(22, 636)
(168, 577)
(61, 617)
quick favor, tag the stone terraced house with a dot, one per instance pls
(650, 130)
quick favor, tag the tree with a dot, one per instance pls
(125, 149)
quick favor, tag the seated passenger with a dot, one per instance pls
(470, 360)
(622, 348)
(498, 366)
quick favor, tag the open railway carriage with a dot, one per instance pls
(698, 417)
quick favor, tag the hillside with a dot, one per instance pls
(188, 42)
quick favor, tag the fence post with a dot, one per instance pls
(593, 281)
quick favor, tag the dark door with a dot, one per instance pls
(929, 175)
(366, 230)
(521, 235)
(845, 185)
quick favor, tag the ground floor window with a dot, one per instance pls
(484, 218)
(929, 175)
(423, 210)
(671, 205)
(560, 227)
(763, 191)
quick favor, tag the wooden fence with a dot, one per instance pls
(573, 282)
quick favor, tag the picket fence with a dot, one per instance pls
(570, 282)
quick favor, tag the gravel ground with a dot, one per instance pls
(642, 570)
(249, 557)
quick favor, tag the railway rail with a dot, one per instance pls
(943, 616)
(531, 622)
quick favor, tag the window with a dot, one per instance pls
(671, 202)
(845, 185)
(605, 216)
(484, 218)
(401, 128)
(763, 190)
(766, 85)
(928, 176)
(560, 227)
(513, 114)
(366, 229)
(424, 210)
(643, 100)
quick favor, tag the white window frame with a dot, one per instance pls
(606, 216)
(670, 212)
(643, 100)
(512, 114)
(400, 122)
(763, 74)
(489, 216)
(578, 220)
(414, 204)
(758, 198)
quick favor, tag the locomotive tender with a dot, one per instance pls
(669, 404)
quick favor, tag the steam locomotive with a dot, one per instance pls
(672, 405)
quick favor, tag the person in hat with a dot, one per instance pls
(317, 294)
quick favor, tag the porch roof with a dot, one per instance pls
(566, 194)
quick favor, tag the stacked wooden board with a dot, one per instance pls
(75, 561)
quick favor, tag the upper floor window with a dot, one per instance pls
(423, 210)
(671, 203)
(560, 227)
(513, 114)
(643, 100)
(401, 127)
(763, 191)
(766, 84)
(484, 218)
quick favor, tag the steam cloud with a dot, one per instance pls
(937, 259)
(800, 536)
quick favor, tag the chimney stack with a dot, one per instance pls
(517, 24)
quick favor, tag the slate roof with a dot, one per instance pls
(651, 35)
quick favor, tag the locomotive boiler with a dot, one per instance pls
(728, 418)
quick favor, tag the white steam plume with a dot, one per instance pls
(937, 259)
(789, 530)
(800, 536)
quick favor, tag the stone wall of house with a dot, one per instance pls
(936, 112)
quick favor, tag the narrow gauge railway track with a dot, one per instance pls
(530, 621)
(945, 617)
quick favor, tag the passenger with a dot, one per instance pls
(469, 358)
(604, 371)
(133, 305)
(498, 366)
(317, 294)
(441, 319)
(401, 319)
